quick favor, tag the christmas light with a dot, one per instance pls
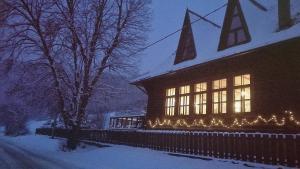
(219, 122)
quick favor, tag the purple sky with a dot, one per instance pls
(168, 16)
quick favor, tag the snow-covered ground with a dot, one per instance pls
(117, 156)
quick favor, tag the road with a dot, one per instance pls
(14, 157)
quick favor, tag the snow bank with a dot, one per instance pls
(33, 125)
(1, 129)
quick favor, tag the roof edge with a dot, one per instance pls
(142, 80)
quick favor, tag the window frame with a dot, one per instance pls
(233, 10)
(201, 107)
(242, 88)
(187, 101)
(219, 101)
(170, 99)
(235, 31)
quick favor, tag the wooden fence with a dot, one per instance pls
(268, 148)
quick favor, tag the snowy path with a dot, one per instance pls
(14, 157)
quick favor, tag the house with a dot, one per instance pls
(239, 74)
(127, 120)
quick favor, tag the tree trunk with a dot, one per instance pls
(73, 138)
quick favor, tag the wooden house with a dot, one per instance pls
(239, 74)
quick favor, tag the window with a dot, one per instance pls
(235, 30)
(186, 47)
(242, 94)
(200, 98)
(170, 102)
(237, 33)
(184, 100)
(219, 96)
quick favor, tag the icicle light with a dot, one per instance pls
(219, 122)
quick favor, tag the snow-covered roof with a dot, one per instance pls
(262, 26)
(127, 114)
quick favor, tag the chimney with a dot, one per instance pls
(284, 14)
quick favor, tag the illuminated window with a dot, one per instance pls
(219, 96)
(184, 100)
(242, 94)
(200, 98)
(170, 102)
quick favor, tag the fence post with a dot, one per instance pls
(266, 150)
(238, 146)
(197, 143)
(291, 150)
(297, 144)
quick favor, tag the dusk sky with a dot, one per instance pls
(168, 17)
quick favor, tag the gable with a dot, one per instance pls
(186, 47)
(235, 30)
(262, 24)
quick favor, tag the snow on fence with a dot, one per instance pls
(268, 148)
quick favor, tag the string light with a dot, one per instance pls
(219, 122)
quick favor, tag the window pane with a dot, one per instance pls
(224, 98)
(216, 84)
(187, 100)
(223, 83)
(203, 86)
(247, 93)
(184, 89)
(247, 106)
(223, 107)
(241, 36)
(219, 84)
(231, 39)
(237, 80)
(237, 94)
(204, 109)
(246, 79)
(236, 22)
(181, 90)
(197, 109)
(235, 12)
(187, 110)
(197, 87)
(204, 98)
(215, 108)
(200, 87)
(197, 99)
(170, 92)
(237, 106)
(216, 97)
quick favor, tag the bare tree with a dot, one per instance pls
(77, 41)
